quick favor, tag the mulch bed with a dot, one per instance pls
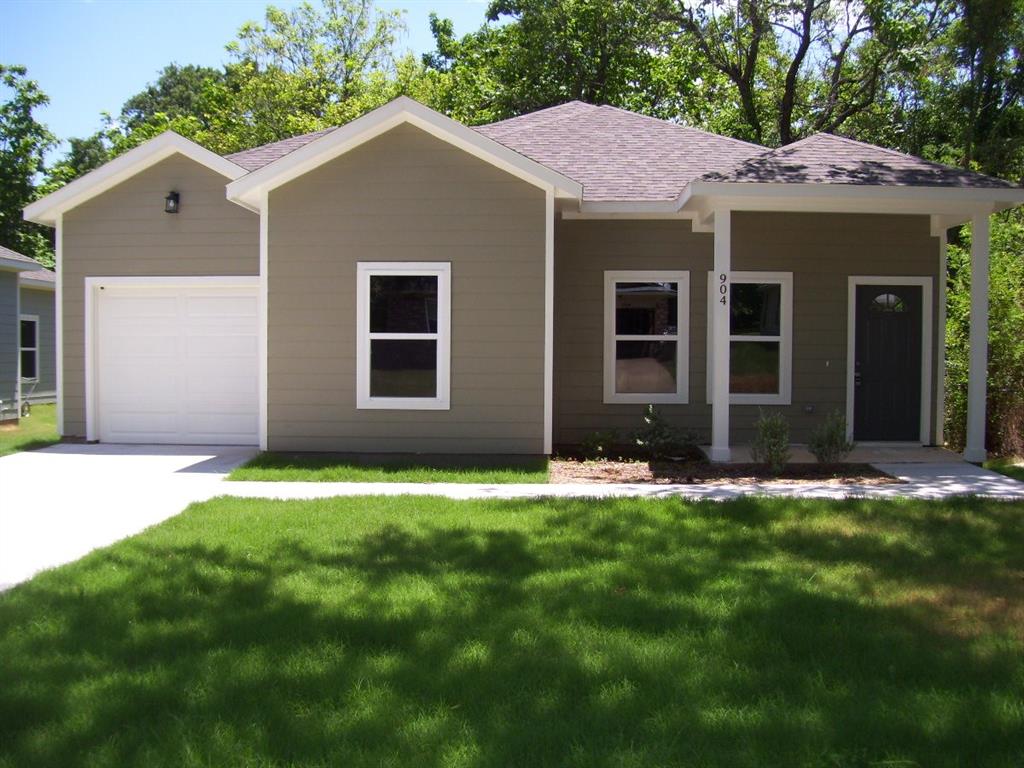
(565, 470)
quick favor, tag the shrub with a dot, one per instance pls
(600, 444)
(771, 443)
(658, 439)
(828, 440)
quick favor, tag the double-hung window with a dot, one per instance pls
(760, 337)
(29, 347)
(646, 350)
(403, 327)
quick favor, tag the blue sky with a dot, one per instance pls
(89, 56)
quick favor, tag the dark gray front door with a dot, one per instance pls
(887, 363)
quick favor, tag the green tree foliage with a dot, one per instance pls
(1005, 413)
(24, 142)
(177, 92)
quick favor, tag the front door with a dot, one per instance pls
(887, 363)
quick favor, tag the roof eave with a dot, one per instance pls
(249, 190)
(47, 210)
(16, 265)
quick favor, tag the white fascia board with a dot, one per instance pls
(248, 191)
(37, 285)
(17, 265)
(48, 209)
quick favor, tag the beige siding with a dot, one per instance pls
(821, 250)
(407, 196)
(124, 231)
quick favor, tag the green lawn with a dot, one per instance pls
(424, 632)
(37, 431)
(325, 468)
(1010, 467)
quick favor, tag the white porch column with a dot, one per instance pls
(721, 282)
(977, 371)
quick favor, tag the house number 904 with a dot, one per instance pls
(723, 288)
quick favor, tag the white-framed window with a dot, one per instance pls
(28, 342)
(646, 336)
(403, 342)
(760, 337)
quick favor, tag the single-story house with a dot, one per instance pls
(406, 283)
(28, 361)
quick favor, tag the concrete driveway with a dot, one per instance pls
(59, 503)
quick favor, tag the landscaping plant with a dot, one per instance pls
(658, 439)
(771, 442)
(599, 445)
(828, 440)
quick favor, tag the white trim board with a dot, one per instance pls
(264, 324)
(927, 324)
(682, 337)
(92, 285)
(785, 338)
(442, 270)
(247, 191)
(48, 209)
(58, 319)
(549, 318)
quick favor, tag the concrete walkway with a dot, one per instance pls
(59, 503)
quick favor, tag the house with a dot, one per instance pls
(27, 333)
(408, 283)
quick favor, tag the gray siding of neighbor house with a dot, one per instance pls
(407, 196)
(821, 250)
(8, 343)
(40, 302)
(125, 232)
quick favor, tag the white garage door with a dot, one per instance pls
(177, 364)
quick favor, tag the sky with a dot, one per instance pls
(89, 56)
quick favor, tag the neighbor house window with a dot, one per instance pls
(760, 337)
(29, 345)
(403, 344)
(646, 330)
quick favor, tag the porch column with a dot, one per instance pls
(977, 371)
(721, 282)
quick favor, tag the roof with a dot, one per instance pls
(256, 158)
(40, 277)
(828, 159)
(14, 260)
(616, 154)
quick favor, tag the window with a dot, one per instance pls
(403, 326)
(29, 345)
(760, 337)
(646, 356)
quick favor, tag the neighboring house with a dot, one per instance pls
(408, 283)
(27, 333)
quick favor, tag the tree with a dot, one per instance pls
(178, 91)
(24, 142)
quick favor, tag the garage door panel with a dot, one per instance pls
(177, 364)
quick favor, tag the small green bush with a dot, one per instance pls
(828, 440)
(600, 444)
(771, 443)
(660, 440)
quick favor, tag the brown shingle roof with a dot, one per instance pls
(827, 159)
(39, 276)
(254, 159)
(615, 154)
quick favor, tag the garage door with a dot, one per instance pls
(177, 364)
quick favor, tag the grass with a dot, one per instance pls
(1011, 467)
(349, 468)
(425, 632)
(37, 431)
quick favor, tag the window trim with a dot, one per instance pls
(785, 338)
(32, 319)
(442, 271)
(682, 336)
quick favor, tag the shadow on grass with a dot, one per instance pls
(355, 467)
(520, 633)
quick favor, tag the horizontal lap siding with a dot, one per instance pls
(9, 341)
(41, 303)
(125, 232)
(407, 196)
(821, 250)
(584, 249)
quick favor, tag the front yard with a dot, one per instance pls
(36, 431)
(425, 632)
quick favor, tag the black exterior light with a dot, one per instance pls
(172, 203)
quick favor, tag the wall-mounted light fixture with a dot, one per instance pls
(172, 203)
